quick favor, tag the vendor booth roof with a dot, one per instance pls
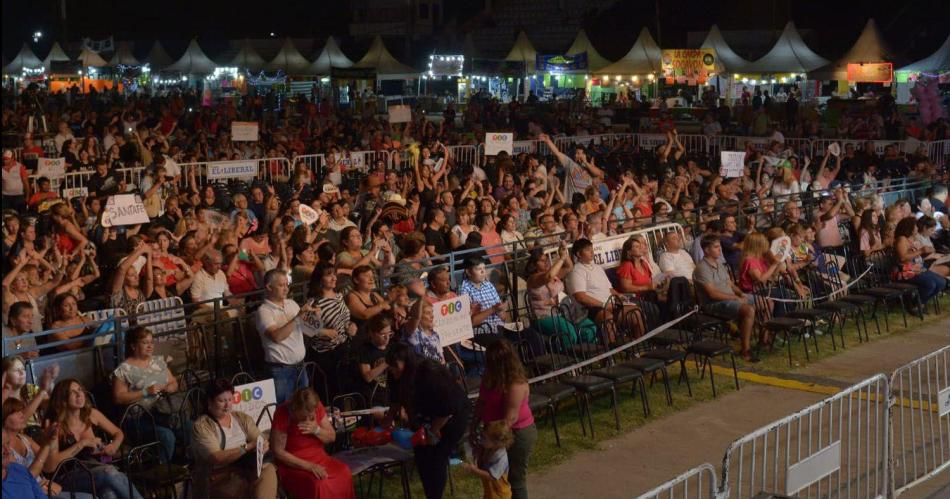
(24, 59)
(523, 51)
(870, 47)
(123, 55)
(247, 57)
(330, 57)
(581, 43)
(789, 55)
(643, 58)
(726, 58)
(938, 61)
(157, 58)
(386, 66)
(289, 60)
(90, 59)
(193, 61)
(56, 54)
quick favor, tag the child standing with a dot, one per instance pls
(491, 460)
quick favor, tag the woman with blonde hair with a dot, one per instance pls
(300, 430)
(504, 395)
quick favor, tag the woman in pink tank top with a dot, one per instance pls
(503, 395)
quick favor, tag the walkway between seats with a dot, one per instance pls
(658, 451)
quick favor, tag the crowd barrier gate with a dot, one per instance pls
(697, 483)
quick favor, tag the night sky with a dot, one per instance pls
(915, 28)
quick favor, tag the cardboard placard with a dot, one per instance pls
(496, 142)
(309, 215)
(782, 248)
(834, 149)
(330, 189)
(75, 192)
(51, 168)
(732, 164)
(400, 113)
(253, 397)
(124, 209)
(246, 131)
(232, 169)
(453, 319)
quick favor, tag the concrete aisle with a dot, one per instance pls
(631, 464)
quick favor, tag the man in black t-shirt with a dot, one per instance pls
(435, 238)
(104, 182)
(371, 357)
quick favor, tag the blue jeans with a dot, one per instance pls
(928, 284)
(110, 483)
(287, 380)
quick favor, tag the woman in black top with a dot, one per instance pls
(425, 391)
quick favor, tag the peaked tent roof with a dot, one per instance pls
(870, 47)
(90, 59)
(24, 59)
(193, 61)
(157, 58)
(330, 57)
(643, 57)
(247, 57)
(289, 59)
(938, 61)
(386, 66)
(123, 55)
(788, 55)
(581, 43)
(523, 51)
(726, 58)
(56, 54)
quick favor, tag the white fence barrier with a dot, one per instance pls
(835, 448)
(697, 483)
(920, 420)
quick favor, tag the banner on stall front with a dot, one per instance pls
(232, 169)
(124, 209)
(400, 113)
(452, 319)
(51, 168)
(685, 65)
(732, 164)
(560, 63)
(252, 398)
(246, 131)
(871, 72)
(496, 142)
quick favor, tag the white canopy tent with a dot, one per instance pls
(330, 57)
(938, 61)
(289, 60)
(386, 66)
(24, 59)
(523, 51)
(247, 57)
(123, 55)
(726, 59)
(642, 58)
(157, 57)
(595, 61)
(90, 59)
(788, 55)
(870, 47)
(193, 61)
(56, 54)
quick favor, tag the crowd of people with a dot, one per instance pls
(340, 267)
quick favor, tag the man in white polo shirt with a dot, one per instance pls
(279, 326)
(675, 261)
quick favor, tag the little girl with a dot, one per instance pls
(491, 460)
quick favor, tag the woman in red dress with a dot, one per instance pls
(301, 427)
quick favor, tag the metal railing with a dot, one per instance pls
(920, 421)
(697, 483)
(835, 448)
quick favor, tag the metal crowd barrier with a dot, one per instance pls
(697, 483)
(268, 169)
(920, 421)
(835, 448)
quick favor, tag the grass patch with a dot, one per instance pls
(573, 441)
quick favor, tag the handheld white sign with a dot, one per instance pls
(51, 168)
(496, 142)
(253, 397)
(308, 214)
(124, 209)
(732, 164)
(244, 131)
(400, 113)
(453, 319)
(782, 248)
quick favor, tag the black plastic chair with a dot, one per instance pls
(787, 327)
(664, 348)
(145, 463)
(69, 466)
(619, 373)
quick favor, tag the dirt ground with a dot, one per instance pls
(646, 457)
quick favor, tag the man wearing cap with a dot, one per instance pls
(16, 182)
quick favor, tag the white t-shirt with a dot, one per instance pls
(590, 279)
(678, 264)
(234, 436)
(289, 351)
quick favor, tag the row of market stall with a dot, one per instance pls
(522, 72)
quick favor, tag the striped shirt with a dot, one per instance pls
(333, 315)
